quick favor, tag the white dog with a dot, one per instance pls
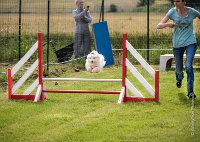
(95, 62)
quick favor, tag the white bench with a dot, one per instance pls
(166, 60)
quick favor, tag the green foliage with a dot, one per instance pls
(113, 8)
(3, 77)
(145, 2)
(192, 3)
(153, 8)
(10, 48)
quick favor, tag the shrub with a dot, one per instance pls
(144, 2)
(113, 8)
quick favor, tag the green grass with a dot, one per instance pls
(85, 118)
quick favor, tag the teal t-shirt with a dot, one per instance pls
(183, 33)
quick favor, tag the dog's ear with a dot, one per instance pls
(88, 56)
(93, 52)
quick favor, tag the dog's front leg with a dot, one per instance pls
(96, 70)
(89, 69)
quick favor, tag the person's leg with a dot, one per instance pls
(75, 45)
(190, 53)
(80, 43)
(178, 56)
(78, 39)
(86, 44)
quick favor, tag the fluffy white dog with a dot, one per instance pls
(95, 62)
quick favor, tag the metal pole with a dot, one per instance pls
(48, 36)
(102, 10)
(101, 17)
(19, 36)
(148, 31)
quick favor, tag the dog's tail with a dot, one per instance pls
(102, 60)
(104, 63)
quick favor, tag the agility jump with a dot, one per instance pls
(127, 85)
(123, 93)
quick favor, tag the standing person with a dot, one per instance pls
(82, 38)
(183, 40)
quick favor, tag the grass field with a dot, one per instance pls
(89, 118)
(34, 16)
(66, 5)
(133, 23)
(64, 23)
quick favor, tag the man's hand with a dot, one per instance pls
(87, 8)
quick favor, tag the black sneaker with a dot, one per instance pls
(191, 95)
(179, 84)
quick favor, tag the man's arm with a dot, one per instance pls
(88, 17)
(78, 16)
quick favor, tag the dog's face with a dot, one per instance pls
(93, 57)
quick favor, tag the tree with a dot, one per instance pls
(113, 8)
(145, 2)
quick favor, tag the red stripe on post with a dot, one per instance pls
(131, 99)
(124, 56)
(156, 86)
(9, 83)
(23, 97)
(40, 65)
(40, 68)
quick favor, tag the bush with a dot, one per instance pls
(113, 8)
(144, 2)
(191, 3)
(10, 48)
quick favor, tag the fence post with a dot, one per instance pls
(20, 27)
(148, 31)
(48, 36)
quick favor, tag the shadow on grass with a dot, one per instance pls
(196, 69)
(185, 100)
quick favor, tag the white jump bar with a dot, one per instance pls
(82, 79)
(25, 58)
